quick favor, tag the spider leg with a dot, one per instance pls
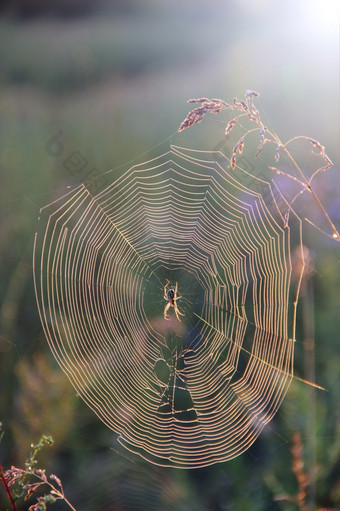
(177, 312)
(180, 313)
(166, 308)
(166, 285)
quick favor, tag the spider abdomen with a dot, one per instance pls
(171, 294)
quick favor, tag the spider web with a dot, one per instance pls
(185, 394)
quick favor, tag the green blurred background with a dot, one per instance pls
(109, 80)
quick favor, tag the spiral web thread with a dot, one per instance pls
(185, 394)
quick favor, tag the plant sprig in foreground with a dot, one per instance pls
(25, 482)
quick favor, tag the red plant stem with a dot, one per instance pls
(8, 491)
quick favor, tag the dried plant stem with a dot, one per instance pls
(300, 475)
(309, 363)
(335, 233)
(305, 182)
(247, 108)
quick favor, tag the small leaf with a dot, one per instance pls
(56, 479)
(212, 106)
(31, 488)
(274, 169)
(50, 499)
(41, 473)
(262, 132)
(277, 153)
(316, 144)
(239, 146)
(13, 475)
(251, 93)
(47, 440)
(230, 126)
(39, 506)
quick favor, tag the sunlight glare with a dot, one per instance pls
(323, 16)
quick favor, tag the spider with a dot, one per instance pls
(171, 296)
